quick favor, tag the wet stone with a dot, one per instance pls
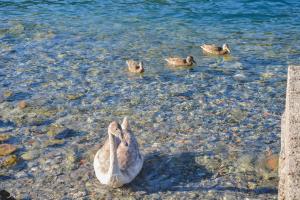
(53, 142)
(72, 97)
(22, 104)
(30, 155)
(4, 137)
(6, 149)
(55, 129)
(7, 93)
(245, 163)
(272, 162)
(8, 161)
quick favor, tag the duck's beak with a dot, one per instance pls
(194, 62)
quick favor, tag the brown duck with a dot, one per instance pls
(135, 67)
(181, 62)
(215, 50)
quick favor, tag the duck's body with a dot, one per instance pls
(118, 161)
(135, 67)
(215, 50)
(177, 62)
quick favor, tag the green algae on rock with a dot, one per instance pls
(54, 130)
(30, 155)
(53, 142)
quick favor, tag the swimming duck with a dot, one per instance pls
(118, 161)
(135, 67)
(213, 49)
(176, 61)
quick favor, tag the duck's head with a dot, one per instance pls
(190, 59)
(226, 47)
(140, 67)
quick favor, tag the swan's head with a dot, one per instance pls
(115, 129)
(190, 59)
(226, 47)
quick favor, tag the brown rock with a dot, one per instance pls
(22, 104)
(9, 161)
(4, 137)
(272, 162)
(6, 149)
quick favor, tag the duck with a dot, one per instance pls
(215, 50)
(135, 67)
(119, 160)
(177, 62)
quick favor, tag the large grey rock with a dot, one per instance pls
(289, 162)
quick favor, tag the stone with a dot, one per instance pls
(22, 104)
(30, 155)
(74, 96)
(8, 93)
(6, 149)
(8, 161)
(53, 142)
(4, 137)
(272, 162)
(54, 129)
(252, 185)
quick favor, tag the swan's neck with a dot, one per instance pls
(113, 160)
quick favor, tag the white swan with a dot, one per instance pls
(118, 161)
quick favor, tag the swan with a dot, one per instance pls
(119, 160)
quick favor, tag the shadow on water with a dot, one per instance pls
(180, 172)
(168, 173)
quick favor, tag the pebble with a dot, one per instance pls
(4, 137)
(8, 161)
(8, 93)
(53, 142)
(272, 162)
(30, 155)
(6, 149)
(22, 104)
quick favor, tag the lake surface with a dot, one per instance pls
(207, 132)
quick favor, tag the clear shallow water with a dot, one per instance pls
(205, 131)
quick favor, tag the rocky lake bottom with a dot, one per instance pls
(211, 131)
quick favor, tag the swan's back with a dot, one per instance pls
(128, 153)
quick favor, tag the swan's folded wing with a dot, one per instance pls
(128, 154)
(102, 156)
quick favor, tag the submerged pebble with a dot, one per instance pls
(30, 155)
(6, 149)
(53, 142)
(4, 137)
(22, 104)
(8, 161)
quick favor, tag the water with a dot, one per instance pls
(206, 132)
